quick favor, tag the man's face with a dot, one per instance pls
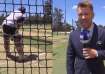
(85, 16)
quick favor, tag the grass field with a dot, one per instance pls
(34, 37)
(36, 41)
(59, 53)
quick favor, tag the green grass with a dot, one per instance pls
(59, 52)
(35, 41)
(44, 44)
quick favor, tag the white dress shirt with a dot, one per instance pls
(12, 18)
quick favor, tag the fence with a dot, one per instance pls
(37, 38)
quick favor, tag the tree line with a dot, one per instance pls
(59, 23)
(37, 18)
(49, 16)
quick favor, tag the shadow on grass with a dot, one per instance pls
(25, 58)
(44, 40)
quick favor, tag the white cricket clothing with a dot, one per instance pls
(12, 18)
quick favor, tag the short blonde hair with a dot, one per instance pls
(85, 4)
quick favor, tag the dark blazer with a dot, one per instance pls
(76, 64)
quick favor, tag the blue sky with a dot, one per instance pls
(9, 5)
(99, 9)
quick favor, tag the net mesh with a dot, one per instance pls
(36, 34)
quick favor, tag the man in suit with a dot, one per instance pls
(86, 56)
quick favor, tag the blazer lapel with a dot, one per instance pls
(94, 38)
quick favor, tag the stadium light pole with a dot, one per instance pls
(65, 13)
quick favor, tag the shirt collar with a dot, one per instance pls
(90, 29)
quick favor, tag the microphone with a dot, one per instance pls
(85, 38)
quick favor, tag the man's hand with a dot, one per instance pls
(89, 53)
